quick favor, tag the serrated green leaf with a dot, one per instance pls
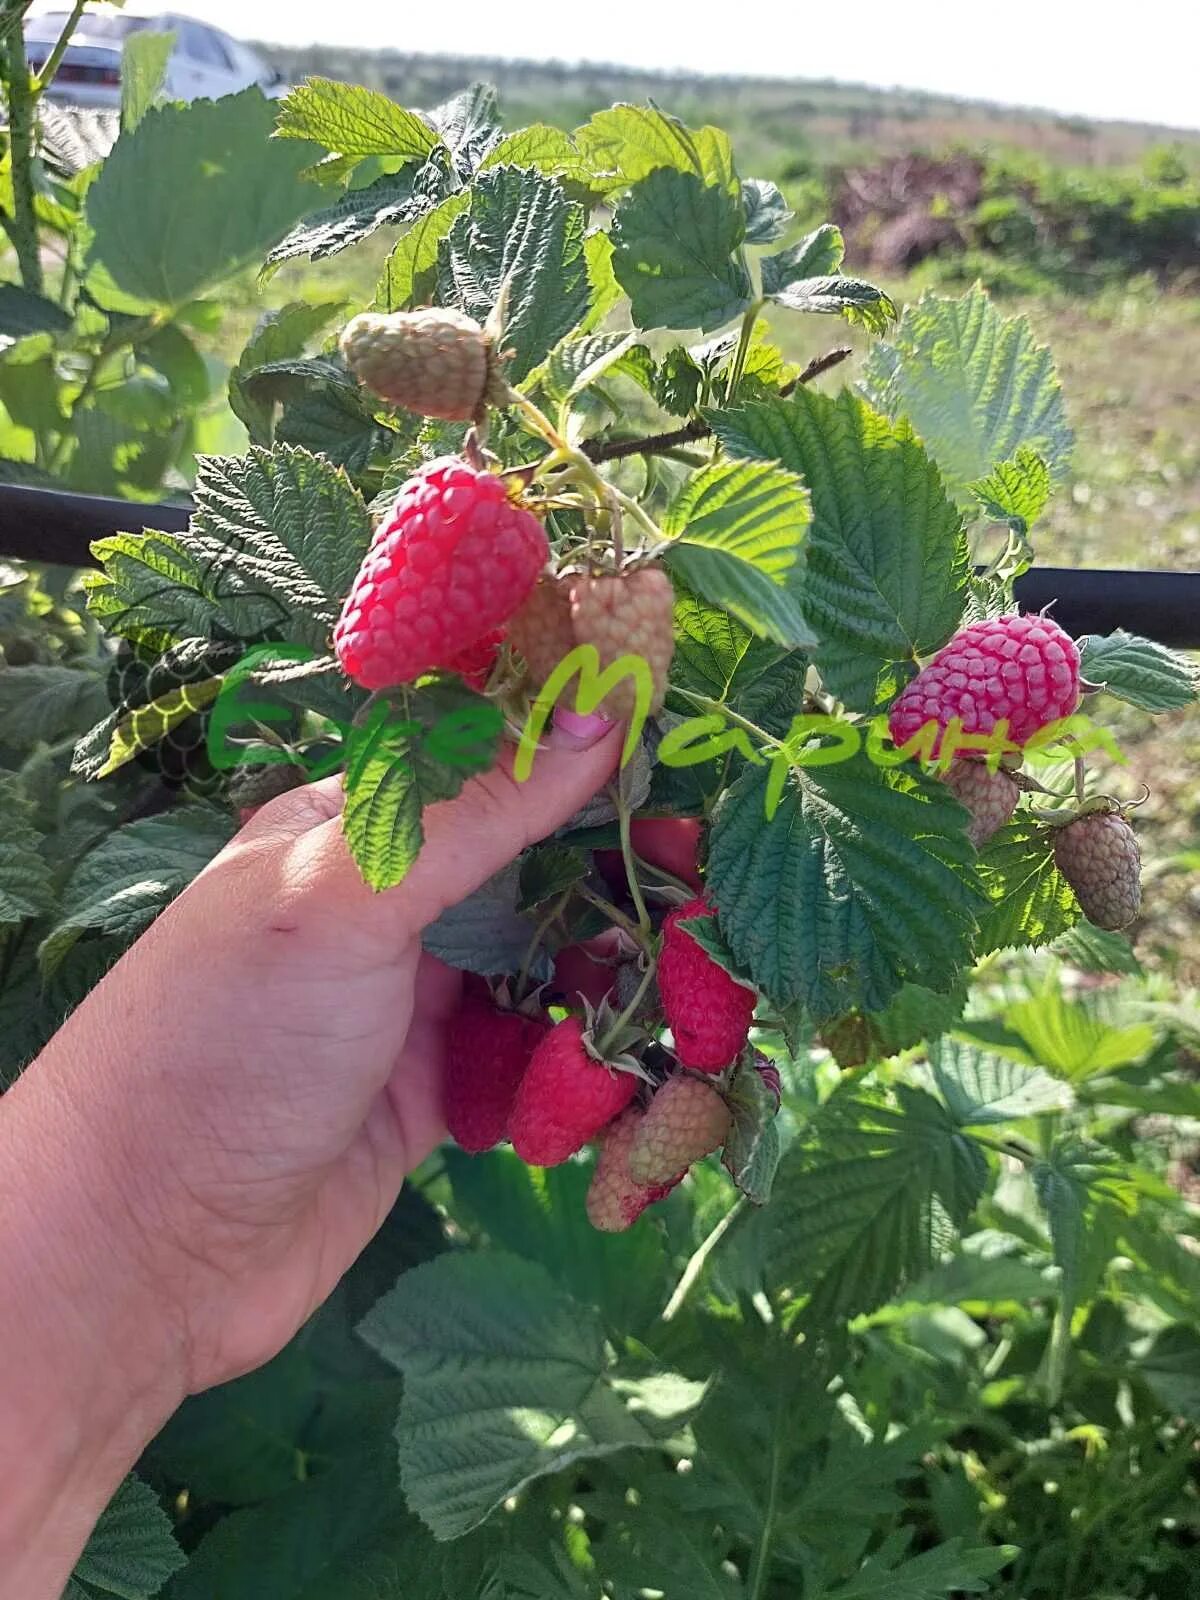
(1139, 671)
(467, 121)
(1093, 949)
(860, 882)
(278, 335)
(547, 870)
(627, 143)
(417, 746)
(767, 213)
(522, 232)
(333, 420)
(851, 298)
(411, 269)
(864, 1199)
(974, 384)
(26, 886)
(981, 1272)
(716, 655)
(488, 932)
(543, 149)
(818, 255)
(914, 1013)
(752, 1148)
(885, 564)
(980, 1088)
(272, 548)
(949, 1568)
(1072, 1039)
(43, 703)
(23, 313)
(351, 218)
(1016, 491)
(1067, 1183)
(506, 1379)
(352, 121)
(171, 352)
(177, 206)
(736, 530)
(1031, 902)
(144, 56)
(142, 727)
(579, 360)
(1171, 1367)
(121, 886)
(674, 242)
(132, 1551)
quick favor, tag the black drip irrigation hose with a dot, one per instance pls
(51, 525)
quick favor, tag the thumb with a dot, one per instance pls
(467, 839)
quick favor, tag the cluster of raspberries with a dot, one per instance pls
(548, 1088)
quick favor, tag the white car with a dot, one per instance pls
(204, 63)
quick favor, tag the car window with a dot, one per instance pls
(49, 24)
(202, 44)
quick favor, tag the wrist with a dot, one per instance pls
(91, 1369)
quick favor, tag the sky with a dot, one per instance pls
(1096, 58)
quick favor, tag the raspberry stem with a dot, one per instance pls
(628, 857)
(614, 1032)
(539, 933)
(614, 914)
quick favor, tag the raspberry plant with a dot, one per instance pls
(916, 1290)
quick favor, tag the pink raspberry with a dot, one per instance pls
(453, 559)
(565, 1097)
(1015, 669)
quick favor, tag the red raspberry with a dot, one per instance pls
(452, 561)
(615, 1200)
(474, 665)
(565, 1097)
(707, 1011)
(686, 1121)
(990, 797)
(1021, 669)
(487, 1052)
(1098, 855)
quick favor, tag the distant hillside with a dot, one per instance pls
(827, 120)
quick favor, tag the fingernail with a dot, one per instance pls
(573, 731)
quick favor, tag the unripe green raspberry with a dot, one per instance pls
(436, 362)
(686, 1120)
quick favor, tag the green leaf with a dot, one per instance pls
(818, 255)
(543, 149)
(178, 206)
(674, 243)
(418, 746)
(26, 886)
(171, 352)
(1092, 949)
(132, 1551)
(1171, 1367)
(736, 530)
(885, 563)
(487, 932)
(947, 1569)
(352, 217)
(627, 143)
(523, 232)
(468, 123)
(506, 1380)
(352, 121)
(974, 384)
(767, 213)
(1072, 1040)
(23, 314)
(1016, 491)
(914, 1013)
(43, 703)
(860, 882)
(866, 1197)
(752, 1148)
(273, 546)
(580, 360)
(980, 1088)
(144, 57)
(1031, 901)
(832, 295)
(410, 272)
(143, 726)
(981, 1273)
(716, 655)
(1139, 671)
(277, 336)
(547, 870)
(1066, 1183)
(121, 886)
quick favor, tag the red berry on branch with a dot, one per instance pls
(615, 1199)
(565, 1097)
(686, 1121)
(708, 1012)
(487, 1053)
(1098, 855)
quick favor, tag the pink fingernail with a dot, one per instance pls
(573, 731)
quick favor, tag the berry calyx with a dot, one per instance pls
(708, 1011)
(487, 1053)
(615, 1199)
(450, 563)
(435, 362)
(1021, 670)
(1099, 857)
(686, 1121)
(566, 1096)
